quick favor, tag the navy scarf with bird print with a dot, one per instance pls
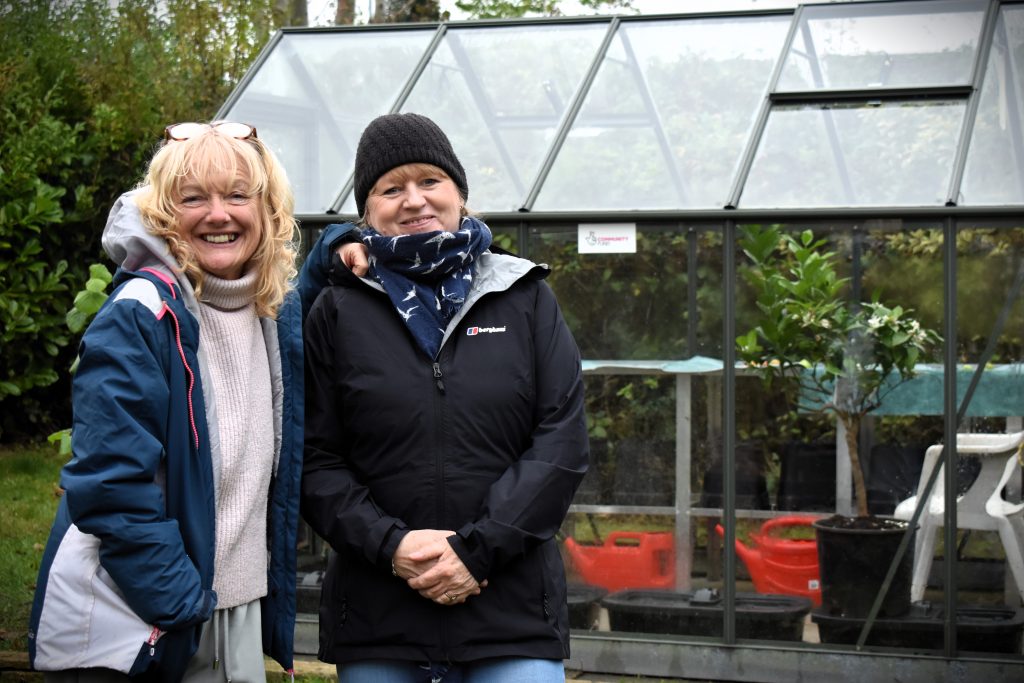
(427, 275)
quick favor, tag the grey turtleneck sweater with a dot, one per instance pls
(232, 338)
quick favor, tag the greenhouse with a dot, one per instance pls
(790, 245)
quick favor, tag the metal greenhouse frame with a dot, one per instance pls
(795, 145)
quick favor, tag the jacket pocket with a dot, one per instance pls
(333, 605)
(553, 596)
(85, 621)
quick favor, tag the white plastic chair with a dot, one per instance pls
(981, 507)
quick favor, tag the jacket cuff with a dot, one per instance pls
(474, 557)
(392, 539)
(349, 236)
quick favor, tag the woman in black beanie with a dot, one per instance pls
(445, 435)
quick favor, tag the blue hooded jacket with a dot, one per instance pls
(126, 577)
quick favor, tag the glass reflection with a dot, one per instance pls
(883, 45)
(620, 306)
(990, 325)
(500, 94)
(632, 418)
(995, 159)
(807, 428)
(871, 154)
(313, 95)
(667, 117)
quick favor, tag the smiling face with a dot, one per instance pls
(218, 219)
(414, 198)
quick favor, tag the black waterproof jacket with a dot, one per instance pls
(488, 439)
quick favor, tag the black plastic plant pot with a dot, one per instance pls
(854, 554)
(978, 629)
(700, 613)
(584, 605)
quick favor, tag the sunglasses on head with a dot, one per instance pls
(187, 131)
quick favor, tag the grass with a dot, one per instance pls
(29, 493)
(28, 500)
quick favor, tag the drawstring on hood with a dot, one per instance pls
(131, 246)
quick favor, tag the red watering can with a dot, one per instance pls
(787, 566)
(626, 559)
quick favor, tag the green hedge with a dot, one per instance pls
(85, 92)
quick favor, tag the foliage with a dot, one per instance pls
(829, 356)
(29, 493)
(291, 12)
(988, 260)
(390, 12)
(89, 300)
(499, 9)
(647, 291)
(88, 87)
(36, 153)
(406, 11)
(87, 303)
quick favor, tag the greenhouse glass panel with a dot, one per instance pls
(313, 95)
(875, 154)
(995, 159)
(667, 117)
(620, 306)
(883, 45)
(500, 94)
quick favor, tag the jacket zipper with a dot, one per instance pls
(439, 472)
(438, 451)
(438, 377)
(181, 350)
(188, 371)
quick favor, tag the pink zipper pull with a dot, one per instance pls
(154, 636)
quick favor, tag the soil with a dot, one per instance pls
(862, 523)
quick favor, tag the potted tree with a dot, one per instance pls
(829, 355)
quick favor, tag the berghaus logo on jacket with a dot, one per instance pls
(474, 331)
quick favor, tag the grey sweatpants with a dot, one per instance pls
(230, 648)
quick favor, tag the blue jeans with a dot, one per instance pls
(498, 670)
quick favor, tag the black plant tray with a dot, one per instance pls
(307, 591)
(584, 602)
(978, 629)
(775, 617)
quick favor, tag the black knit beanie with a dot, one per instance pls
(396, 139)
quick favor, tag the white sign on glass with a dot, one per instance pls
(607, 238)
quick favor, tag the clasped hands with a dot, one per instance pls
(430, 566)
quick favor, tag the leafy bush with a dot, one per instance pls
(89, 300)
(88, 88)
(36, 153)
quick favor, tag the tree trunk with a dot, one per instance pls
(860, 490)
(405, 11)
(291, 13)
(345, 13)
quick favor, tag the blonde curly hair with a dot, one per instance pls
(203, 159)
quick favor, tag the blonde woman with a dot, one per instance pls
(173, 551)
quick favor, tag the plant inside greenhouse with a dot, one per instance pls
(827, 354)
